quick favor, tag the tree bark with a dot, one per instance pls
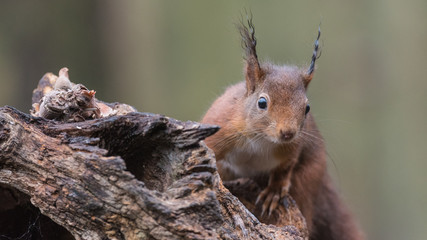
(132, 176)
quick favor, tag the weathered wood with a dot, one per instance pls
(133, 176)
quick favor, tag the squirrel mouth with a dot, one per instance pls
(285, 141)
(281, 140)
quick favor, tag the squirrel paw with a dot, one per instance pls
(271, 198)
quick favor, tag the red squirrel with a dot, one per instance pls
(267, 128)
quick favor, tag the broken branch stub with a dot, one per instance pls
(130, 175)
(57, 98)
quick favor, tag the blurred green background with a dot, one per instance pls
(176, 57)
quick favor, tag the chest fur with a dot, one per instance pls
(249, 159)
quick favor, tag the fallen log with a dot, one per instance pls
(128, 175)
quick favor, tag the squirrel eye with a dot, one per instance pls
(307, 109)
(262, 103)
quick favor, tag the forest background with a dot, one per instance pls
(175, 57)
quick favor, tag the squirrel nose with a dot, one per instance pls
(286, 135)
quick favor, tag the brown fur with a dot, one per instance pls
(251, 143)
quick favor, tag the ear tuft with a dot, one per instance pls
(316, 55)
(253, 71)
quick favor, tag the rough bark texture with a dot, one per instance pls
(132, 176)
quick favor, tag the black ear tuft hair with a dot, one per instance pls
(248, 36)
(316, 54)
(253, 70)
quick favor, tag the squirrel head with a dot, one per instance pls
(276, 104)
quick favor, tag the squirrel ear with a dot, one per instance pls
(253, 71)
(307, 79)
(316, 54)
(253, 74)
